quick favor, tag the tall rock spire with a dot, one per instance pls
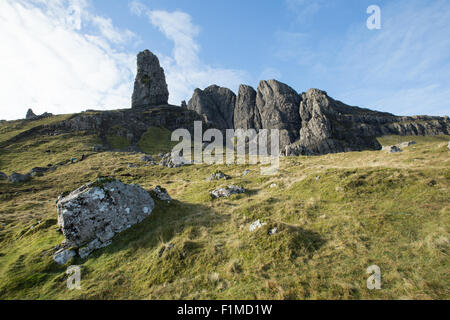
(150, 87)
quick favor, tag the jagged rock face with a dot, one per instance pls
(150, 87)
(30, 115)
(246, 116)
(278, 105)
(91, 215)
(216, 105)
(324, 130)
(133, 123)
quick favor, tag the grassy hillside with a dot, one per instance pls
(335, 215)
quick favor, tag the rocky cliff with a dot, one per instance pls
(216, 105)
(311, 122)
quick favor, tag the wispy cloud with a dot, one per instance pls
(57, 56)
(50, 63)
(403, 68)
(407, 60)
(184, 69)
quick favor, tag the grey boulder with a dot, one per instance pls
(63, 255)
(227, 192)
(3, 176)
(392, 149)
(19, 178)
(92, 215)
(38, 171)
(170, 160)
(218, 176)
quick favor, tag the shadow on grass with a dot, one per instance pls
(162, 226)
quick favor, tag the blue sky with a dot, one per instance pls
(66, 56)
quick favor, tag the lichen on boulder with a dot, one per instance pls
(92, 215)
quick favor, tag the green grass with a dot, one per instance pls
(117, 142)
(14, 128)
(156, 140)
(392, 140)
(335, 214)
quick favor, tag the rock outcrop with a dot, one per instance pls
(311, 123)
(227, 192)
(62, 256)
(170, 160)
(90, 216)
(278, 105)
(324, 128)
(218, 176)
(19, 178)
(30, 115)
(150, 87)
(128, 123)
(246, 116)
(3, 176)
(216, 105)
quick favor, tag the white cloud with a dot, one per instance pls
(57, 56)
(110, 32)
(184, 69)
(49, 64)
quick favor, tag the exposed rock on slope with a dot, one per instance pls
(90, 216)
(227, 192)
(133, 123)
(216, 105)
(277, 104)
(150, 87)
(311, 123)
(19, 178)
(245, 114)
(325, 130)
(30, 115)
